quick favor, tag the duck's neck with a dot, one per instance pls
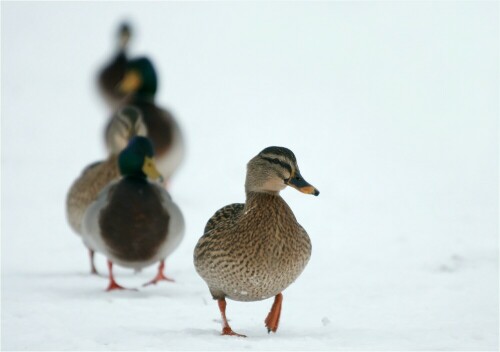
(112, 160)
(141, 97)
(259, 196)
(270, 204)
(262, 199)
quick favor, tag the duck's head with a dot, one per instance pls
(136, 160)
(125, 124)
(273, 169)
(140, 79)
(124, 34)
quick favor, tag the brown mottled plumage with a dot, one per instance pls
(266, 252)
(86, 188)
(255, 250)
(225, 217)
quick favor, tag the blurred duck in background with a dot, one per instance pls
(112, 73)
(140, 85)
(134, 221)
(125, 124)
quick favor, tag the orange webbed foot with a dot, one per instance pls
(160, 276)
(112, 283)
(228, 331)
(114, 286)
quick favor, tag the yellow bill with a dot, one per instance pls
(149, 168)
(130, 83)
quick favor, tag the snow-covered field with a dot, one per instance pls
(391, 109)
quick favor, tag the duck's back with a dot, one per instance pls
(134, 223)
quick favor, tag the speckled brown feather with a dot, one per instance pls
(134, 224)
(254, 251)
(225, 217)
(86, 188)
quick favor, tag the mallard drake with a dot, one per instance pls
(133, 221)
(140, 85)
(253, 251)
(114, 70)
(125, 124)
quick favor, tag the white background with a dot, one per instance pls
(391, 109)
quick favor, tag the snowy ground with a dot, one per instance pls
(391, 109)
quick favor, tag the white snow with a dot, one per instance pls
(391, 109)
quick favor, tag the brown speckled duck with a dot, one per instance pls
(125, 124)
(139, 83)
(114, 70)
(253, 251)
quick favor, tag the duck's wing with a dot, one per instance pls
(86, 188)
(225, 217)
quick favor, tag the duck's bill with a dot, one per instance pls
(149, 168)
(302, 185)
(130, 83)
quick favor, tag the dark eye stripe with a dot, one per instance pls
(283, 164)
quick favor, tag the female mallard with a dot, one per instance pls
(140, 84)
(112, 73)
(125, 124)
(133, 221)
(253, 251)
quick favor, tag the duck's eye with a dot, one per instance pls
(276, 161)
(298, 178)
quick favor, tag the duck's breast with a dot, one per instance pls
(255, 257)
(128, 223)
(269, 260)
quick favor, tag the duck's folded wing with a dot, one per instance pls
(225, 216)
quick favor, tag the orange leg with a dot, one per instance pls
(226, 329)
(93, 270)
(160, 276)
(273, 318)
(112, 283)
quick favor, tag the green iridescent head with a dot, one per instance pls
(140, 78)
(136, 160)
